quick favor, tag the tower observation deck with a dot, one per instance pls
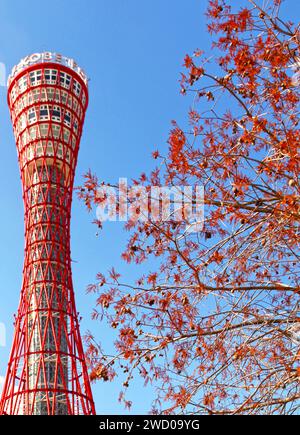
(47, 373)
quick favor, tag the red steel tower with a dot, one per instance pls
(47, 373)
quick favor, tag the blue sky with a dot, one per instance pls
(133, 51)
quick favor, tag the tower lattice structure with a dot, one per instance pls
(47, 373)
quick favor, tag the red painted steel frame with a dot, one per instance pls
(47, 372)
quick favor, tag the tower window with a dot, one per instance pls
(50, 149)
(39, 149)
(44, 113)
(76, 88)
(56, 131)
(51, 76)
(35, 77)
(50, 93)
(66, 135)
(70, 99)
(22, 83)
(31, 115)
(13, 94)
(56, 113)
(67, 119)
(76, 126)
(33, 134)
(64, 97)
(65, 80)
(44, 130)
(60, 151)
